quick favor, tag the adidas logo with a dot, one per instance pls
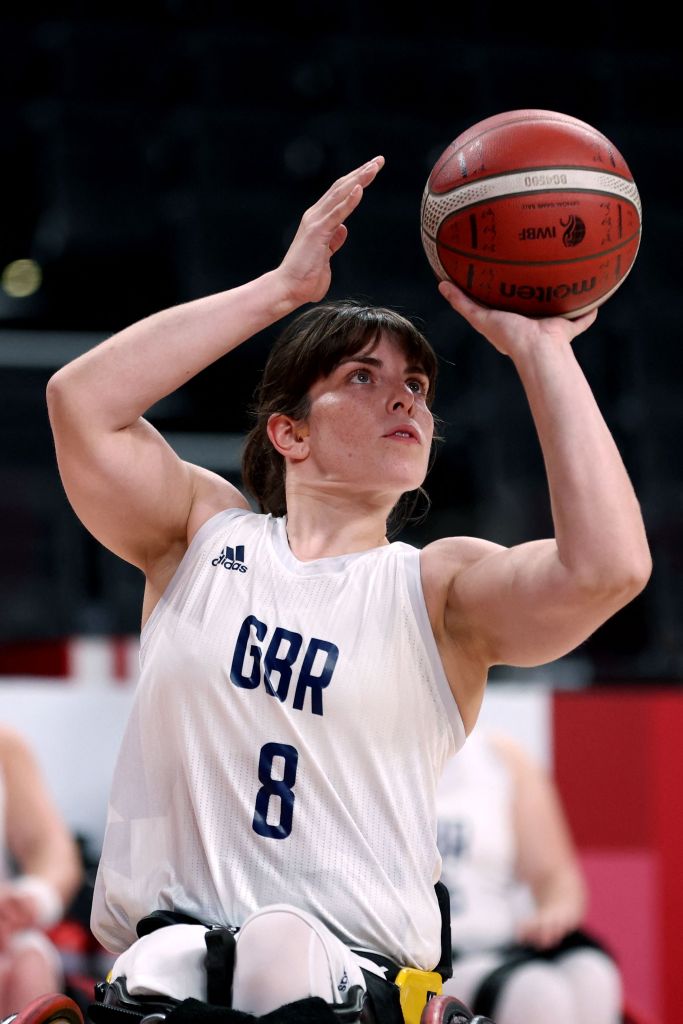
(231, 558)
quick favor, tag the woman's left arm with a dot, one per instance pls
(534, 602)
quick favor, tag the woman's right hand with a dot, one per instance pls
(549, 925)
(305, 271)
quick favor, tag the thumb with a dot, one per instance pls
(582, 323)
(338, 238)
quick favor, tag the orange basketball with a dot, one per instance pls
(534, 212)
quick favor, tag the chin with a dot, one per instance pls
(389, 480)
(401, 487)
(410, 479)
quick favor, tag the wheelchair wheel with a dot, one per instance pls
(445, 1010)
(54, 1008)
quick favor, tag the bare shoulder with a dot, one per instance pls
(444, 559)
(505, 745)
(11, 740)
(211, 494)
(15, 751)
(513, 754)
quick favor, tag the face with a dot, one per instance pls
(369, 425)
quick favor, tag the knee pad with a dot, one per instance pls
(179, 962)
(284, 955)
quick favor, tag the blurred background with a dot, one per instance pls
(151, 153)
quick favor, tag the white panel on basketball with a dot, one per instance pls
(436, 207)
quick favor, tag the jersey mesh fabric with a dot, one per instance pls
(339, 752)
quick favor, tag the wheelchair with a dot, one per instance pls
(422, 1002)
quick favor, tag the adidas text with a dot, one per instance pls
(231, 558)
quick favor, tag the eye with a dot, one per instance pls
(417, 386)
(362, 376)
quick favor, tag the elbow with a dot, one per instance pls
(633, 576)
(643, 572)
(61, 397)
(617, 582)
(54, 392)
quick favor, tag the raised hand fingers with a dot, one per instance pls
(362, 175)
(306, 267)
(345, 193)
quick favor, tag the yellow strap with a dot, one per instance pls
(416, 988)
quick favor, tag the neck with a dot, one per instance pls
(318, 527)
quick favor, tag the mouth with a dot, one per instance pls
(404, 433)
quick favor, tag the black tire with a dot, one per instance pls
(54, 1008)
(445, 1010)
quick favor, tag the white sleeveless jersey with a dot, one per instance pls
(289, 729)
(477, 844)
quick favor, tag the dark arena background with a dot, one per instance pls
(153, 155)
(155, 152)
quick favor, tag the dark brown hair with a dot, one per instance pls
(310, 348)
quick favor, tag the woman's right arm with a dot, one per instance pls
(39, 841)
(125, 483)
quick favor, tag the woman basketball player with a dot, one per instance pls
(303, 680)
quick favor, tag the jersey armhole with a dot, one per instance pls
(419, 606)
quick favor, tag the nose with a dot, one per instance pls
(400, 397)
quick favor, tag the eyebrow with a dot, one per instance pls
(373, 361)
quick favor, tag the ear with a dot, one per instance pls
(288, 437)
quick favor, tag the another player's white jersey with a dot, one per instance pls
(477, 842)
(289, 729)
